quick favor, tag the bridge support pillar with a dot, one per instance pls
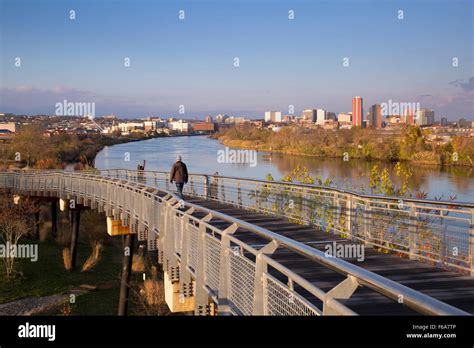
(126, 273)
(54, 219)
(37, 225)
(75, 220)
(115, 227)
(176, 300)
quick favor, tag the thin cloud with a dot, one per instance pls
(466, 86)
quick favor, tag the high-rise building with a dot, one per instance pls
(444, 121)
(278, 116)
(357, 111)
(208, 119)
(463, 123)
(320, 116)
(273, 116)
(424, 117)
(375, 116)
(408, 117)
(309, 115)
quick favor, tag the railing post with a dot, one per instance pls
(185, 280)
(207, 188)
(223, 307)
(171, 263)
(257, 198)
(471, 242)
(367, 221)
(239, 195)
(335, 207)
(342, 291)
(412, 234)
(222, 191)
(202, 298)
(349, 216)
(261, 267)
(305, 212)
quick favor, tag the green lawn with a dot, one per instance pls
(47, 276)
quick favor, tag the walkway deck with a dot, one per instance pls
(450, 287)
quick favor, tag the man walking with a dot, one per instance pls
(179, 174)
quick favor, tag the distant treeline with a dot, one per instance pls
(410, 144)
(30, 147)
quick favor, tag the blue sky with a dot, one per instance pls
(191, 62)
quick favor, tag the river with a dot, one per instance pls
(201, 156)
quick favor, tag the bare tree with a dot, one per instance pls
(16, 221)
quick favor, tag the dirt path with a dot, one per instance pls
(35, 305)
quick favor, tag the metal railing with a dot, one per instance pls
(239, 278)
(437, 232)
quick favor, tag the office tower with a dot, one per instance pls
(424, 117)
(444, 121)
(320, 116)
(357, 111)
(409, 118)
(273, 116)
(309, 115)
(375, 116)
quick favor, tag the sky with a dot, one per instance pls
(190, 62)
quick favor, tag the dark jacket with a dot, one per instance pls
(179, 173)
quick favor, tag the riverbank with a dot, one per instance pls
(31, 148)
(411, 145)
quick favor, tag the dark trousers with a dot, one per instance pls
(179, 186)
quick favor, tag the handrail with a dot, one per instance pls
(413, 299)
(426, 230)
(335, 189)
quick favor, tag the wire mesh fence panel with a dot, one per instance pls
(212, 249)
(192, 246)
(178, 230)
(280, 300)
(241, 284)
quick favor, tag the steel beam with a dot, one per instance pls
(126, 274)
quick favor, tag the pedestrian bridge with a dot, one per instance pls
(237, 246)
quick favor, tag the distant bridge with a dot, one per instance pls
(248, 247)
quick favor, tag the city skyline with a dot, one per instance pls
(191, 62)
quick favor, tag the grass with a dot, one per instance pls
(98, 302)
(47, 276)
